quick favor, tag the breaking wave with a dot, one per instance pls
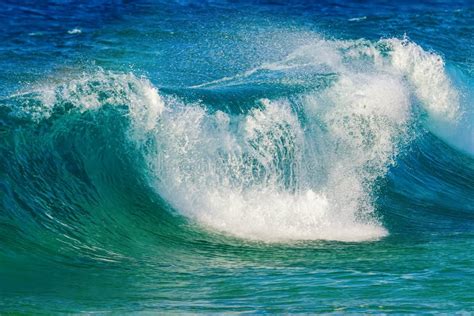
(298, 165)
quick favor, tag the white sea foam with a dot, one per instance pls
(264, 176)
(259, 177)
(91, 92)
(74, 31)
(358, 19)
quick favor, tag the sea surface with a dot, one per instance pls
(236, 156)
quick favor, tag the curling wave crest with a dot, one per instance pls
(296, 167)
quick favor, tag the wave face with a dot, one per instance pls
(302, 162)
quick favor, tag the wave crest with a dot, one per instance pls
(299, 167)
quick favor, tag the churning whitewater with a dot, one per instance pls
(301, 167)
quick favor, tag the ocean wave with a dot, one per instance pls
(295, 167)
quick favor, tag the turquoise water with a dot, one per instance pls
(236, 157)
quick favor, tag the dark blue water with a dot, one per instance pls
(255, 156)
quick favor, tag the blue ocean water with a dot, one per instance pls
(236, 156)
